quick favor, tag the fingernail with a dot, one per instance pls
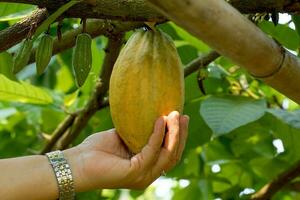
(187, 118)
(174, 114)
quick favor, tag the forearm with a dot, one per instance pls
(31, 177)
(28, 177)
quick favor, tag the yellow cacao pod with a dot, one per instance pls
(147, 82)
(43, 53)
(23, 55)
(82, 58)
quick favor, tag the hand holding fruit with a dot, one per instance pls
(103, 160)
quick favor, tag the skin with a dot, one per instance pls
(101, 161)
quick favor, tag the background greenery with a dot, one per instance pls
(242, 132)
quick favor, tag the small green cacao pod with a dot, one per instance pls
(23, 55)
(43, 53)
(82, 58)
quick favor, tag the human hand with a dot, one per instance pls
(103, 160)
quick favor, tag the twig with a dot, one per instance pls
(202, 61)
(267, 191)
(295, 186)
(59, 131)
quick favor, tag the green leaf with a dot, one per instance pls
(50, 118)
(187, 53)
(192, 90)
(101, 121)
(136, 193)
(289, 135)
(216, 82)
(282, 33)
(170, 30)
(6, 63)
(7, 10)
(199, 132)
(296, 20)
(262, 166)
(15, 16)
(91, 195)
(192, 191)
(44, 26)
(229, 171)
(7, 112)
(290, 117)
(216, 152)
(190, 39)
(206, 189)
(22, 92)
(224, 114)
(65, 81)
(192, 164)
(252, 140)
(197, 189)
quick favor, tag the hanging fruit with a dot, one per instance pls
(147, 82)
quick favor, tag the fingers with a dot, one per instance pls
(183, 131)
(169, 151)
(150, 152)
(184, 123)
(172, 136)
(148, 165)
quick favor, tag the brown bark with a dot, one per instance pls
(231, 34)
(202, 61)
(120, 10)
(257, 6)
(17, 32)
(123, 10)
(100, 8)
(278, 183)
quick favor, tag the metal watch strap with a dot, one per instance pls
(63, 175)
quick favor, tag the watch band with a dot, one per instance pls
(63, 175)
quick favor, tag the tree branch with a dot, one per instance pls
(96, 101)
(266, 192)
(94, 28)
(59, 131)
(258, 6)
(138, 10)
(295, 186)
(17, 32)
(122, 10)
(200, 62)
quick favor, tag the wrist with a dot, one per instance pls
(63, 174)
(75, 159)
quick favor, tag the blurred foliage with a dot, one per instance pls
(242, 132)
